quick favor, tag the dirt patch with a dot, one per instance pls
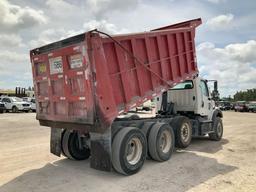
(228, 165)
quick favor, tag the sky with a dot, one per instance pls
(225, 42)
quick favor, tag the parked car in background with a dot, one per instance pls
(232, 106)
(32, 102)
(2, 107)
(252, 106)
(16, 104)
(241, 106)
(224, 105)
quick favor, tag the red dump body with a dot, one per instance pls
(93, 77)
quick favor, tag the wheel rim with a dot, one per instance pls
(165, 141)
(185, 132)
(134, 151)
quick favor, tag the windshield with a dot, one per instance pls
(225, 104)
(16, 99)
(184, 85)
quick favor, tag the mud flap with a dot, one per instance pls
(101, 151)
(55, 144)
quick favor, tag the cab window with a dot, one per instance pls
(204, 88)
(184, 85)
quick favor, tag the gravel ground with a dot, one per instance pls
(229, 165)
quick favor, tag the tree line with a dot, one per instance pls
(248, 95)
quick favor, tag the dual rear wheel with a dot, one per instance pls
(129, 149)
(161, 142)
(131, 146)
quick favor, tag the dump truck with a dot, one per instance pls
(83, 83)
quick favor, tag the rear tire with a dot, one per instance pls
(161, 142)
(129, 150)
(70, 146)
(218, 130)
(146, 130)
(183, 131)
(62, 144)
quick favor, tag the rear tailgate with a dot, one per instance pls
(62, 81)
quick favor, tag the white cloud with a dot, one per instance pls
(221, 22)
(10, 40)
(216, 1)
(52, 35)
(47, 36)
(62, 8)
(232, 66)
(14, 17)
(13, 66)
(104, 26)
(101, 7)
(12, 57)
(243, 52)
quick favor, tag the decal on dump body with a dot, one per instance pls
(40, 68)
(75, 61)
(56, 65)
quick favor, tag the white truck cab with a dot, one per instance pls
(192, 98)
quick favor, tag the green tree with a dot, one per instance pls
(248, 95)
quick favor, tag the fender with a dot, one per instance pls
(216, 113)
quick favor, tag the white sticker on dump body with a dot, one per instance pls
(56, 65)
(76, 61)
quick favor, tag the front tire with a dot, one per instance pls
(218, 130)
(129, 150)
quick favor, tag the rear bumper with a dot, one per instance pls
(85, 128)
(25, 109)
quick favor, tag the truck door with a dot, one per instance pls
(205, 104)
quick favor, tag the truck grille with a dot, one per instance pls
(25, 105)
